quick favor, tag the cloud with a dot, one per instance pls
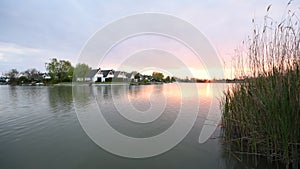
(16, 56)
(11, 48)
(36, 36)
(2, 58)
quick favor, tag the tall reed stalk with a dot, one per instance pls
(262, 115)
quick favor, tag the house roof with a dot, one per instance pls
(105, 72)
(121, 73)
(116, 73)
(93, 72)
(128, 75)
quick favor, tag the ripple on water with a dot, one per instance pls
(39, 129)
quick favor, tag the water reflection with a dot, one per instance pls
(39, 128)
(58, 95)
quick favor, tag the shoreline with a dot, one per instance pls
(107, 84)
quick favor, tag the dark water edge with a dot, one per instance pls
(39, 129)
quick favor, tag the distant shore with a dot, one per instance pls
(115, 83)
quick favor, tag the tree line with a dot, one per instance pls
(62, 71)
(58, 71)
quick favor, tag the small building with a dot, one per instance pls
(108, 75)
(46, 76)
(131, 76)
(120, 75)
(22, 74)
(98, 75)
(94, 76)
(3, 80)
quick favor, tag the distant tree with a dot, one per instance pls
(137, 76)
(157, 76)
(53, 68)
(81, 70)
(168, 79)
(69, 71)
(66, 71)
(31, 73)
(22, 80)
(60, 70)
(13, 75)
(173, 79)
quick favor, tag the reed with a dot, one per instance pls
(261, 116)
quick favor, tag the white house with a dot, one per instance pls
(46, 76)
(120, 74)
(22, 74)
(107, 74)
(94, 76)
(131, 76)
(98, 75)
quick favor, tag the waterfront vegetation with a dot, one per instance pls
(260, 111)
(261, 116)
(62, 72)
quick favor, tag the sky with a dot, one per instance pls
(32, 32)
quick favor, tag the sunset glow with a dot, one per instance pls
(224, 23)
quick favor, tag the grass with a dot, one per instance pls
(89, 83)
(261, 117)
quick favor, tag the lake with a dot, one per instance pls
(39, 126)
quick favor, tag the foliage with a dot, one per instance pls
(12, 75)
(2, 80)
(81, 71)
(22, 80)
(32, 74)
(157, 76)
(60, 70)
(173, 79)
(137, 76)
(262, 115)
(168, 79)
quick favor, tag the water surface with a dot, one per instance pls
(39, 128)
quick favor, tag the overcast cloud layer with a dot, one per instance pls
(32, 32)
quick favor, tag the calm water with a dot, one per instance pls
(39, 128)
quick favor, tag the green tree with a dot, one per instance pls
(157, 76)
(81, 70)
(67, 70)
(53, 68)
(22, 80)
(173, 79)
(13, 76)
(31, 74)
(60, 70)
(137, 76)
(168, 79)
